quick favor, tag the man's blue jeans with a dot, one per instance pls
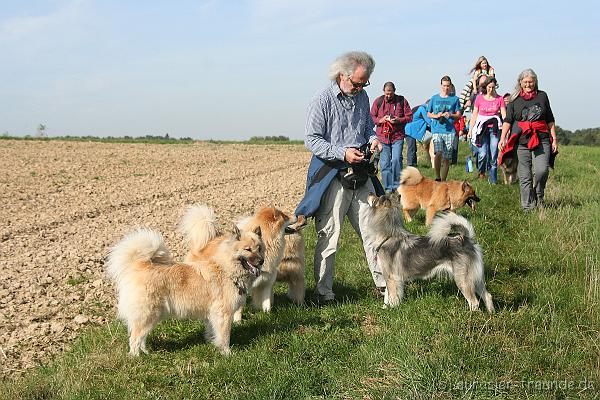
(391, 165)
(411, 151)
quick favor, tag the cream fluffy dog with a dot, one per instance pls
(151, 287)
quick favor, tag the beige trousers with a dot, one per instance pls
(337, 203)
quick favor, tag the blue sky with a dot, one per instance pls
(236, 69)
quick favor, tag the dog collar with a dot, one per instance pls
(381, 244)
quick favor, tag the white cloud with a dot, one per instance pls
(22, 27)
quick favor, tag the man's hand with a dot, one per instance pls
(376, 145)
(353, 155)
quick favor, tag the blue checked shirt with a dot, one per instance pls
(335, 122)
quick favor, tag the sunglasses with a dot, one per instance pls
(356, 85)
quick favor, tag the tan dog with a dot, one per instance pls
(292, 266)
(151, 286)
(199, 226)
(274, 225)
(417, 191)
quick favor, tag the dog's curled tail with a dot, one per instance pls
(199, 226)
(410, 176)
(444, 224)
(140, 245)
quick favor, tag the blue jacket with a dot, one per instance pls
(416, 129)
(319, 177)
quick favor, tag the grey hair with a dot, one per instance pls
(348, 62)
(528, 72)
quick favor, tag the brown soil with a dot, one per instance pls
(64, 204)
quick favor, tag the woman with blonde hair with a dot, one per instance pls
(531, 120)
(482, 66)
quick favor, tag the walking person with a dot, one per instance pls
(443, 109)
(391, 113)
(532, 121)
(489, 112)
(339, 131)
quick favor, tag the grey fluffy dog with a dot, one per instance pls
(404, 256)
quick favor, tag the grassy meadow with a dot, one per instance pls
(543, 341)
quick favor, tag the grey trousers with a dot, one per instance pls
(337, 203)
(533, 184)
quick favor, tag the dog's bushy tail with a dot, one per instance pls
(410, 176)
(199, 226)
(140, 245)
(445, 223)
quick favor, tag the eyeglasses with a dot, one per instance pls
(356, 85)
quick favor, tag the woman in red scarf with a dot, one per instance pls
(530, 118)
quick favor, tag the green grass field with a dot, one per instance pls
(543, 342)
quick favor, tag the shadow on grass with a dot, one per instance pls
(285, 316)
(513, 303)
(563, 203)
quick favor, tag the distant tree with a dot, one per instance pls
(563, 135)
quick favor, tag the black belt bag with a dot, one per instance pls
(354, 178)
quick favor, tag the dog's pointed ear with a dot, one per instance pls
(236, 232)
(465, 186)
(372, 199)
(258, 231)
(396, 196)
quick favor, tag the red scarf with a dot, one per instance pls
(528, 96)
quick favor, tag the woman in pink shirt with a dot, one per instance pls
(489, 112)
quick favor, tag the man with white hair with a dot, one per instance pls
(338, 131)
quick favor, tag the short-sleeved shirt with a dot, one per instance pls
(489, 108)
(536, 109)
(441, 104)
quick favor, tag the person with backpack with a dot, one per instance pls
(391, 113)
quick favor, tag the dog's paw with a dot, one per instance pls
(226, 351)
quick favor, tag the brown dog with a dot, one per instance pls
(509, 167)
(291, 268)
(417, 191)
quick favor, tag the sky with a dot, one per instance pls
(230, 70)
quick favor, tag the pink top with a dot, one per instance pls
(489, 107)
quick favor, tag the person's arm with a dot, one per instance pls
(552, 127)
(375, 112)
(503, 135)
(408, 115)
(315, 132)
(430, 114)
(473, 120)
(503, 113)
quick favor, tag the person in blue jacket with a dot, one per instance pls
(417, 130)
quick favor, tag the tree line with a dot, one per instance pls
(581, 137)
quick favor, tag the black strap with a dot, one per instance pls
(380, 98)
